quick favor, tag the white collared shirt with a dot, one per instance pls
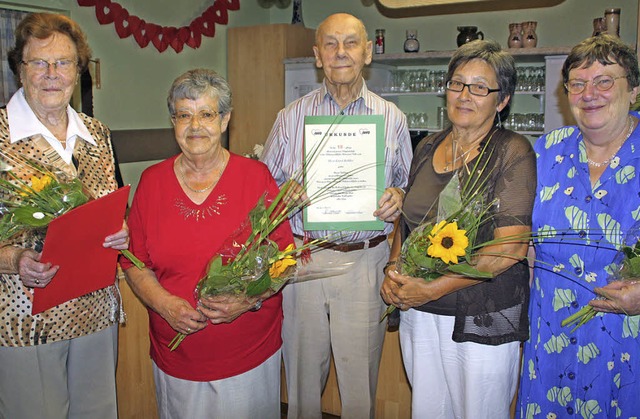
(23, 123)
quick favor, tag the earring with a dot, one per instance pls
(499, 124)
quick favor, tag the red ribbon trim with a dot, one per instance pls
(161, 37)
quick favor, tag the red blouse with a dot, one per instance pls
(176, 239)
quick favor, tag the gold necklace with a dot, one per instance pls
(454, 154)
(606, 162)
(184, 179)
(455, 157)
(463, 155)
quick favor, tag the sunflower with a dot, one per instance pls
(447, 242)
(279, 266)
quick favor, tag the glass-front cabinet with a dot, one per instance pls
(415, 82)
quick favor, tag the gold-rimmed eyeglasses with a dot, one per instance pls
(602, 83)
(63, 65)
(203, 117)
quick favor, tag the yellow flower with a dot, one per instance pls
(447, 242)
(279, 266)
(38, 184)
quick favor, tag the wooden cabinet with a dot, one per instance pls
(255, 71)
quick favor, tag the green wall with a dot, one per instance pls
(135, 80)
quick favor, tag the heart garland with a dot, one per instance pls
(161, 37)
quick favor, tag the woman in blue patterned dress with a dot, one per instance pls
(588, 200)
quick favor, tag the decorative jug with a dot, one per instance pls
(411, 44)
(515, 35)
(529, 37)
(599, 26)
(468, 34)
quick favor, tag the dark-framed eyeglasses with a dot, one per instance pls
(63, 65)
(602, 83)
(203, 117)
(474, 89)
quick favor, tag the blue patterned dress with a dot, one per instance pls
(594, 371)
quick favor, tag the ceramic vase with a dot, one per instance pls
(515, 35)
(529, 37)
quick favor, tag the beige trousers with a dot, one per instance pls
(340, 315)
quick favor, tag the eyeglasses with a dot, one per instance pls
(64, 66)
(203, 117)
(474, 89)
(602, 83)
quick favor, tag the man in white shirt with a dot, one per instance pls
(339, 314)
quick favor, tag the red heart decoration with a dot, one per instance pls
(105, 11)
(195, 35)
(155, 33)
(140, 34)
(233, 4)
(180, 38)
(220, 14)
(170, 36)
(183, 33)
(207, 24)
(121, 22)
(108, 11)
(134, 23)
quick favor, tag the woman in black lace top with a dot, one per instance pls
(460, 337)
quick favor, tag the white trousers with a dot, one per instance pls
(72, 379)
(250, 395)
(455, 380)
(340, 315)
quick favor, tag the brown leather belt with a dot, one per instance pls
(350, 247)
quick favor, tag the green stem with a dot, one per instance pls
(132, 258)
(176, 341)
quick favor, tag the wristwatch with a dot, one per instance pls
(256, 306)
(388, 265)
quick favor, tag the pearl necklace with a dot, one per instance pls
(184, 179)
(606, 162)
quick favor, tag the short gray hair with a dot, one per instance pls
(196, 83)
(498, 59)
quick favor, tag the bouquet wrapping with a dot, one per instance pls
(34, 194)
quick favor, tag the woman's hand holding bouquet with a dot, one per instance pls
(621, 295)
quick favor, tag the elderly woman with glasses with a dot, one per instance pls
(60, 362)
(183, 211)
(460, 336)
(587, 208)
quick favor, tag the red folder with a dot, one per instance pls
(74, 242)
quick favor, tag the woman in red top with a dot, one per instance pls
(183, 210)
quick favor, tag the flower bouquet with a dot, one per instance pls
(433, 248)
(254, 265)
(625, 267)
(34, 194)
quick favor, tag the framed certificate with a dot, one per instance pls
(344, 171)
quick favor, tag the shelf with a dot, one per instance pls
(442, 57)
(394, 94)
(432, 130)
